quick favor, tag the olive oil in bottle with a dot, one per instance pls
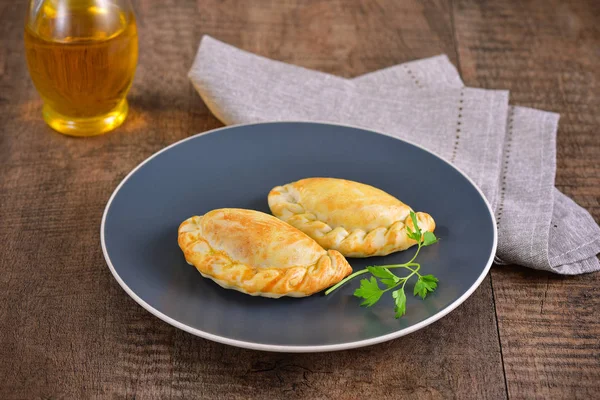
(82, 57)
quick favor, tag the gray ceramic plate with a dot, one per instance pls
(236, 167)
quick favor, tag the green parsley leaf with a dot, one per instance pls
(400, 302)
(385, 275)
(409, 233)
(370, 291)
(431, 279)
(429, 239)
(419, 289)
(413, 216)
(416, 233)
(425, 284)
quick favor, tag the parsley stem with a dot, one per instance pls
(371, 292)
(414, 271)
(343, 281)
(416, 253)
(403, 281)
(364, 271)
(392, 266)
(408, 267)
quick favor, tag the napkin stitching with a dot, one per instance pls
(413, 77)
(505, 166)
(458, 124)
(575, 249)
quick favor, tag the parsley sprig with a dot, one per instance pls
(371, 292)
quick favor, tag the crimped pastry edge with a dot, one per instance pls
(358, 243)
(329, 269)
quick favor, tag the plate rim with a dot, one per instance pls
(287, 348)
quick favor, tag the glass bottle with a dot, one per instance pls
(82, 56)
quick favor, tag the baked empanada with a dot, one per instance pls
(258, 254)
(356, 219)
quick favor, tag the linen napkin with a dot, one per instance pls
(572, 240)
(509, 152)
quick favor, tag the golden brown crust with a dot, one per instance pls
(258, 254)
(356, 219)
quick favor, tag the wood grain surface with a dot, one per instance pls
(68, 331)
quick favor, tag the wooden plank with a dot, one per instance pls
(546, 54)
(67, 330)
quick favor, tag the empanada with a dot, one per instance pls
(356, 219)
(258, 254)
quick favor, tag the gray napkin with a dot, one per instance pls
(509, 152)
(566, 238)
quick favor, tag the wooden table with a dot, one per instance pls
(67, 330)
